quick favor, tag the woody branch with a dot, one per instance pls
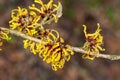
(75, 49)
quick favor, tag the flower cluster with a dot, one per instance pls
(48, 11)
(24, 21)
(27, 21)
(54, 51)
(31, 21)
(56, 54)
(48, 36)
(3, 36)
(93, 43)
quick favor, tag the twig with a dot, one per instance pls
(106, 56)
(44, 19)
(14, 32)
(76, 49)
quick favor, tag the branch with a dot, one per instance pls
(20, 34)
(106, 56)
(76, 49)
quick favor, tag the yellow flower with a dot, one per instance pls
(56, 54)
(93, 43)
(50, 11)
(24, 21)
(33, 46)
(47, 35)
(3, 36)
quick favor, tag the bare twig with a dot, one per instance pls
(76, 49)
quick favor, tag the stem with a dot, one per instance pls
(106, 56)
(44, 19)
(76, 49)
(14, 32)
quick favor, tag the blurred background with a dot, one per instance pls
(17, 63)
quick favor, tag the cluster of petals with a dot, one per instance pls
(3, 36)
(30, 22)
(55, 52)
(93, 43)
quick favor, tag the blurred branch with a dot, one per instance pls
(76, 49)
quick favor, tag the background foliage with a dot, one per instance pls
(19, 64)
